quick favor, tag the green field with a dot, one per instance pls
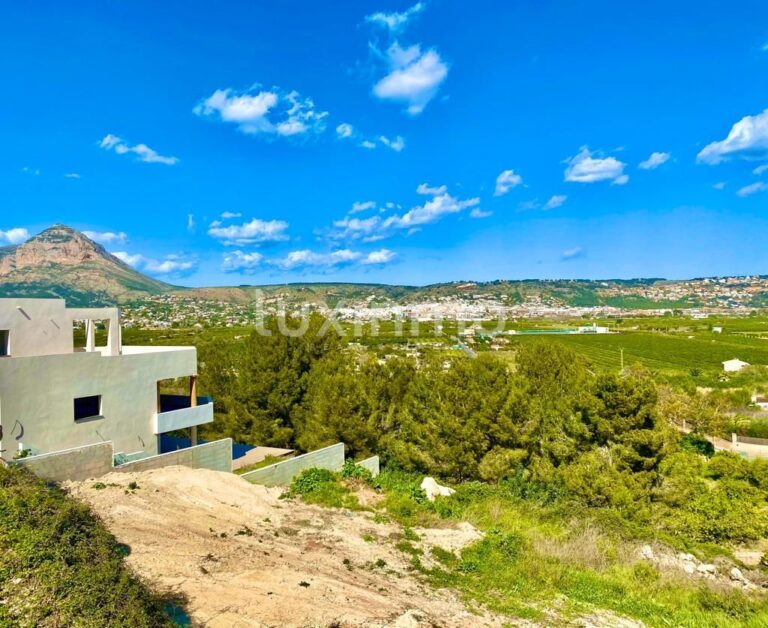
(664, 351)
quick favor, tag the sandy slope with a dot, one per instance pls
(245, 558)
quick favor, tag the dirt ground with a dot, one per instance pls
(243, 557)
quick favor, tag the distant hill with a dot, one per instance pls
(62, 262)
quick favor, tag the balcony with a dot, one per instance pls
(178, 413)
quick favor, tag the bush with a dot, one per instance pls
(322, 487)
(59, 565)
(697, 444)
(350, 470)
(310, 480)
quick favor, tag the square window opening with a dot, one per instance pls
(87, 407)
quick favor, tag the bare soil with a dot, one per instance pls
(243, 557)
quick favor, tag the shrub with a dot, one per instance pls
(697, 444)
(60, 566)
(350, 470)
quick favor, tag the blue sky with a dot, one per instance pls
(396, 142)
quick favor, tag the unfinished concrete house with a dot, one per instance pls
(56, 397)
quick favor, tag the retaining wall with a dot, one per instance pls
(216, 455)
(78, 463)
(93, 461)
(281, 473)
(372, 464)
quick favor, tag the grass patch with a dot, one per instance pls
(323, 488)
(59, 566)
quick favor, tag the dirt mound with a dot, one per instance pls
(243, 557)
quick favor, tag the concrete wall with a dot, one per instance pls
(93, 461)
(281, 473)
(80, 463)
(183, 418)
(37, 396)
(37, 326)
(216, 455)
(372, 464)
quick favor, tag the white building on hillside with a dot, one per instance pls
(54, 396)
(734, 366)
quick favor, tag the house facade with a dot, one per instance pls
(54, 396)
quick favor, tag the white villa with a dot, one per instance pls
(56, 397)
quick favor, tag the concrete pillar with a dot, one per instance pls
(734, 438)
(90, 336)
(114, 334)
(193, 403)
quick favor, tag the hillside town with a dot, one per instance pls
(696, 298)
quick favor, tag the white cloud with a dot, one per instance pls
(361, 206)
(191, 224)
(32, 171)
(654, 161)
(72, 175)
(345, 130)
(586, 168)
(142, 151)
(720, 185)
(252, 232)
(748, 139)
(379, 227)
(354, 228)
(230, 215)
(270, 112)
(348, 132)
(424, 188)
(382, 256)
(107, 237)
(754, 188)
(479, 213)
(431, 211)
(16, 235)
(306, 258)
(760, 169)
(555, 201)
(239, 262)
(396, 21)
(396, 144)
(573, 253)
(172, 265)
(414, 77)
(131, 260)
(506, 181)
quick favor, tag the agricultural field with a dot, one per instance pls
(676, 349)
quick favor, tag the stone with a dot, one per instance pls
(750, 558)
(646, 551)
(433, 489)
(707, 569)
(689, 568)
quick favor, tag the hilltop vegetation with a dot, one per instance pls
(59, 566)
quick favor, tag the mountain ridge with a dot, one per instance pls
(63, 262)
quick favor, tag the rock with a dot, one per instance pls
(689, 568)
(687, 557)
(737, 576)
(751, 558)
(646, 551)
(433, 489)
(706, 569)
(407, 620)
